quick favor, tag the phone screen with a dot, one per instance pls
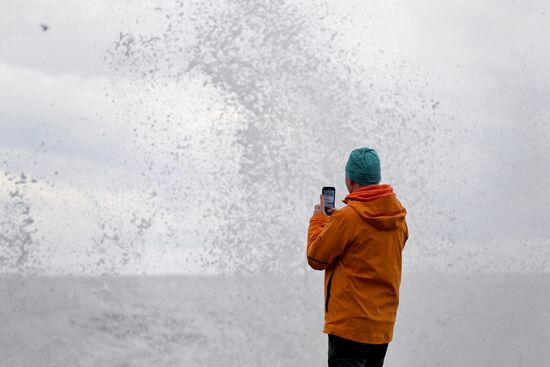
(329, 195)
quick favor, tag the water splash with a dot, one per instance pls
(16, 227)
(300, 102)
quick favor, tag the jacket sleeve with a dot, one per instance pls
(327, 239)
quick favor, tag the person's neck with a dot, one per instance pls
(355, 187)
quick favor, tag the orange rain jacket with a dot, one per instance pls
(359, 246)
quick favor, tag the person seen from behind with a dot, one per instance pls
(359, 247)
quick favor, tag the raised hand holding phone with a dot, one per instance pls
(326, 202)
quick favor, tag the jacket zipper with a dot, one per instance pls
(328, 291)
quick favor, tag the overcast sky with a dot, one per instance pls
(149, 160)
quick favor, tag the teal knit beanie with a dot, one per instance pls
(364, 166)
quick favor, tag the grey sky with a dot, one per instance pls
(134, 146)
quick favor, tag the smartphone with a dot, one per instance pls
(329, 194)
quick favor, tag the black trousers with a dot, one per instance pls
(348, 353)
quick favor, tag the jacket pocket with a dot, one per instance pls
(328, 291)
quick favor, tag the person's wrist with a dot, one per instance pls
(319, 215)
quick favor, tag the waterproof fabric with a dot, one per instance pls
(359, 246)
(347, 353)
(363, 166)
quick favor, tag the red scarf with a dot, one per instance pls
(368, 193)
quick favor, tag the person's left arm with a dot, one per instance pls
(327, 239)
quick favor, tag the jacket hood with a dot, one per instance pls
(377, 205)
